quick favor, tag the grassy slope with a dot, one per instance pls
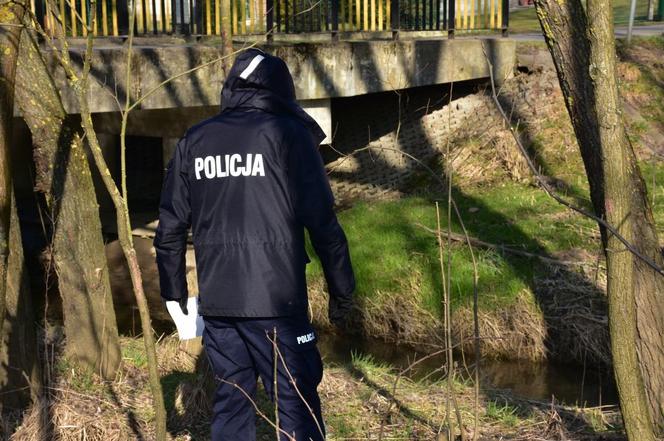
(391, 252)
(525, 20)
(394, 257)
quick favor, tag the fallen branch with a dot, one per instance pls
(498, 247)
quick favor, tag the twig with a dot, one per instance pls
(275, 383)
(297, 390)
(448, 357)
(257, 409)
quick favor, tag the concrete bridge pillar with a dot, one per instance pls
(321, 111)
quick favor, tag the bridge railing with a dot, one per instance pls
(273, 17)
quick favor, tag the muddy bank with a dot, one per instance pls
(566, 324)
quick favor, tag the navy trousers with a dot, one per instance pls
(240, 350)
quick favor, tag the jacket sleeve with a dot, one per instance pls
(314, 208)
(170, 241)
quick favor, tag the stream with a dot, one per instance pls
(569, 383)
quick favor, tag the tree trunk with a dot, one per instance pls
(63, 174)
(20, 376)
(651, 10)
(11, 17)
(583, 50)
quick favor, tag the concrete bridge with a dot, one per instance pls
(337, 50)
(322, 72)
(334, 48)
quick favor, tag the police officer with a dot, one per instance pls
(248, 182)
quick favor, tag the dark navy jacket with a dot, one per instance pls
(247, 182)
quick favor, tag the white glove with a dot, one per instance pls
(190, 325)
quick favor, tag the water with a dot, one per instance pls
(570, 384)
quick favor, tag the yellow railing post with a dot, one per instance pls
(261, 15)
(217, 16)
(234, 18)
(63, 19)
(380, 15)
(472, 14)
(388, 14)
(168, 14)
(499, 15)
(138, 16)
(74, 24)
(114, 16)
(243, 15)
(104, 18)
(95, 20)
(457, 14)
(149, 14)
(84, 17)
(208, 18)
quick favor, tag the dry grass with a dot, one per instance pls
(358, 399)
(516, 332)
(576, 313)
(564, 319)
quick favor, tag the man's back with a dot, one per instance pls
(246, 235)
(248, 181)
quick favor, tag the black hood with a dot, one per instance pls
(262, 81)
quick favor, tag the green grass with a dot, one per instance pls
(503, 413)
(525, 20)
(81, 378)
(133, 352)
(394, 255)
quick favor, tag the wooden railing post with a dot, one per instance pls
(395, 19)
(451, 17)
(506, 18)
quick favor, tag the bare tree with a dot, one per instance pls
(582, 43)
(63, 174)
(17, 331)
(11, 17)
(20, 374)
